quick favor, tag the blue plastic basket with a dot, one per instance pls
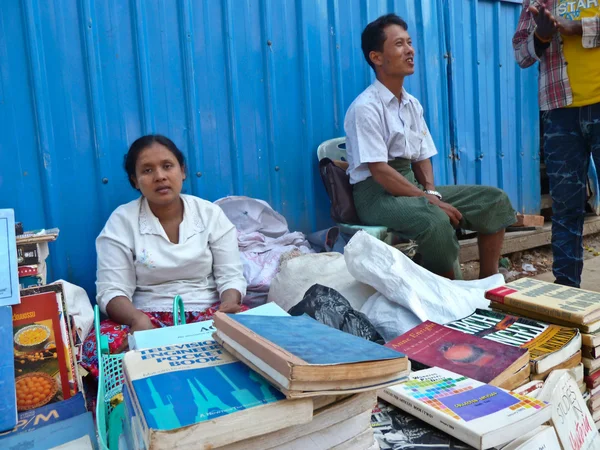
(110, 382)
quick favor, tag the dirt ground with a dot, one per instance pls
(530, 262)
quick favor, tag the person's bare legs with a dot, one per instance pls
(490, 246)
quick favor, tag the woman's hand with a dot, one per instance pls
(140, 322)
(231, 301)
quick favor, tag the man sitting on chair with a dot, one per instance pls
(389, 149)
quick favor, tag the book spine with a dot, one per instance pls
(432, 417)
(539, 308)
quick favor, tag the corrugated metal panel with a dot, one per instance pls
(496, 131)
(247, 89)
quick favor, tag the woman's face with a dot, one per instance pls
(158, 175)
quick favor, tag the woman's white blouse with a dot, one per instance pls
(136, 259)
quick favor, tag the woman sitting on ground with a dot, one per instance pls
(161, 245)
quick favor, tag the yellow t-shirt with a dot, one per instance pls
(583, 63)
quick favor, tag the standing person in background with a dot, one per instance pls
(564, 36)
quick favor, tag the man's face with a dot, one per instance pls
(397, 57)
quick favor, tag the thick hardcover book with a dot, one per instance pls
(548, 345)
(478, 414)
(433, 345)
(198, 393)
(300, 348)
(9, 275)
(8, 395)
(41, 360)
(572, 305)
(47, 415)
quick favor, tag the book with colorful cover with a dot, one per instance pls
(434, 345)
(8, 395)
(571, 418)
(67, 332)
(48, 414)
(54, 435)
(198, 331)
(197, 393)
(548, 345)
(41, 359)
(476, 413)
(568, 304)
(9, 274)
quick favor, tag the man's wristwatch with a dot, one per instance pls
(436, 193)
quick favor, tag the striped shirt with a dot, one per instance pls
(554, 86)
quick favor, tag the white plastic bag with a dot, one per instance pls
(298, 274)
(421, 293)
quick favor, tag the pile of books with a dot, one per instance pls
(565, 307)
(32, 252)
(265, 381)
(42, 403)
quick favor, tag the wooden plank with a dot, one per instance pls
(517, 242)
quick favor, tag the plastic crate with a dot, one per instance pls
(110, 380)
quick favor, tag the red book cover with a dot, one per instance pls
(433, 345)
(41, 368)
(592, 381)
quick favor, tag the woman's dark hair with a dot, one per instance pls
(373, 36)
(143, 143)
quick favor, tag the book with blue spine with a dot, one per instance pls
(48, 414)
(304, 357)
(197, 393)
(8, 394)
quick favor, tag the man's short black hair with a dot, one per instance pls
(373, 36)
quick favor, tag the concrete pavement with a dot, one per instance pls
(590, 278)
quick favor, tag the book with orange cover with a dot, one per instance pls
(41, 359)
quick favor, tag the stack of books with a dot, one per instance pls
(571, 419)
(591, 345)
(32, 252)
(550, 346)
(311, 387)
(433, 345)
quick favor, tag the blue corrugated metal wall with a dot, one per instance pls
(247, 89)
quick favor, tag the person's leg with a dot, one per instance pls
(566, 154)
(490, 246)
(488, 211)
(413, 218)
(591, 124)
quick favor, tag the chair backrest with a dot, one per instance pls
(334, 149)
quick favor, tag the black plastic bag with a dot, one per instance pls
(329, 307)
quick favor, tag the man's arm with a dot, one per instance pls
(535, 23)
(393, 182)
(423, 171)
(588, 28)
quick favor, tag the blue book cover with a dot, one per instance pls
(9, 275)
(8, 395)
(185, 384)
(48, 414)
(54, 435)
(313, 342)
(191, 332)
